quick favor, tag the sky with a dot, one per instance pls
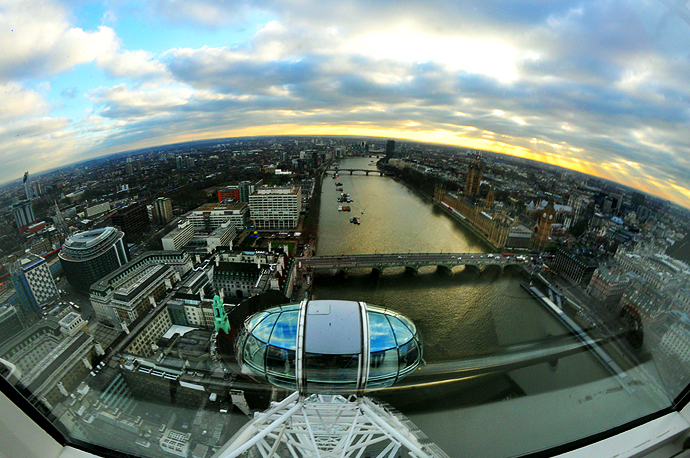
(602, 87)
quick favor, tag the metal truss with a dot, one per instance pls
(329, 426)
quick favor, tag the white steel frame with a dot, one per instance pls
(328, 426)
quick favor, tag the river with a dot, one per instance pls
(467, 315)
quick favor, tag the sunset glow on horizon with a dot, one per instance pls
(599, 88)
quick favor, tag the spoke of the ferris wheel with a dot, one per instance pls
(325, 427)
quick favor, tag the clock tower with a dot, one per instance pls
(543, 228)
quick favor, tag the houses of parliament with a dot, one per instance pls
(499, 228)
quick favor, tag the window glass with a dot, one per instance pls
(380, 333)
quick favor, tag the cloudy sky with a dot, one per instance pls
(599, 86)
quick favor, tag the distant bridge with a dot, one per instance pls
(366, 171)
(411, 261)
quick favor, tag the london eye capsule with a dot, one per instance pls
(323, 346)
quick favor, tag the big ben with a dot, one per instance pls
(543, 228)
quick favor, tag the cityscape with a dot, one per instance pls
(344, 229)
(115, 271)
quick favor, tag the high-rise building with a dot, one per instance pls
(275, 208)
(133, 221)
(129, 169)
(390, 149)
(34, 283)
(89, 256)
(247, 188)
(27, 187)
(162, 210)
(23, 214)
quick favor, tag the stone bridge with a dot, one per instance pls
(411, 261)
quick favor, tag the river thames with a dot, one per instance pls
(472, 316)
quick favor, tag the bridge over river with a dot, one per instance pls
(411, 261)
(366, 171)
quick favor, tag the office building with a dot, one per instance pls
(275, 208)
(33, 282)
(133, 221)
(162, 210)
(23, 214)
(89, 256)
(178, 237)
(211, 216)
(133, 289)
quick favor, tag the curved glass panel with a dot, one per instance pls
(409, 355)
(402, 332)
(383, 364)
(263, 330)
(254, 351)
(285, 331)
(280, 361)
(256, 319)
(381, 336)
(331, 369)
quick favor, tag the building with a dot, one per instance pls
(23, 214)
(645, 303)
(247, 188)
(28, 191)
(577, 266)
(89, 256)
(162, 210)
(98, 209)
(229, 192)
(519, 237)
(133, 289)
(608, 284)
(52, 363)
(390, 149)
(543, 229)
(211, 216)
(275, 208)
(34, 283)
(133, 221)
(474, 178)
(662, 272)
(178, 237)
(245, 274)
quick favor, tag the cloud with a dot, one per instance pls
(572, 82)
(69, 93)
(17, 102)
(39, 41)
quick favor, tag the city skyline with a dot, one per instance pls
(591, 86)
